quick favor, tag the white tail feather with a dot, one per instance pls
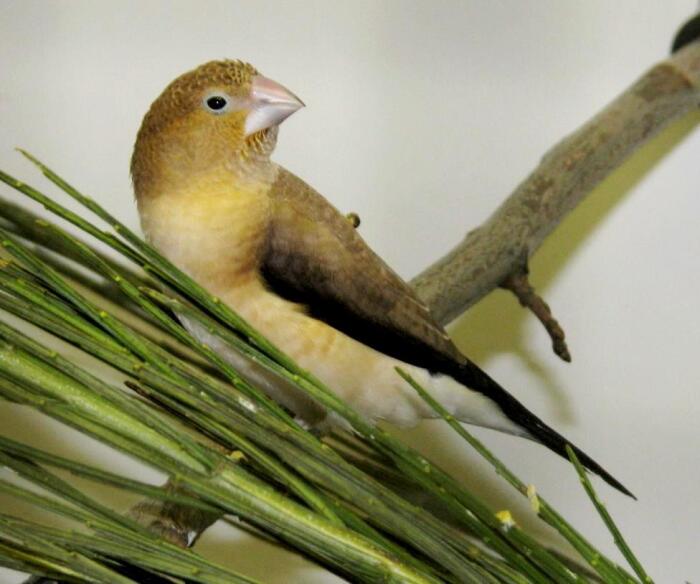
(471, 406)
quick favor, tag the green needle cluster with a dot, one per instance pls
(227, 448)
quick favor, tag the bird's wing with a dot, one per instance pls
(316, 258)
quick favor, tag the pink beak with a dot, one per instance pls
(270, 104)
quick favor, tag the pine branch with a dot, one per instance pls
(213, 408)
(160, 373)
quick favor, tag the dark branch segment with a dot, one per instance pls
(519, 284)
(689, 32)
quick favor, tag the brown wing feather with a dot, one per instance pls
(316, 257)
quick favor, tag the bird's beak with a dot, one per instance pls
(270, 104)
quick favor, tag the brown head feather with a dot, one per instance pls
(177, 136)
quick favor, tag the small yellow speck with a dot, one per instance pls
(534, 499)
(505, 518)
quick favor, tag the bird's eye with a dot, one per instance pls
(216, 104)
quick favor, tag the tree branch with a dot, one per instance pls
(494, 253)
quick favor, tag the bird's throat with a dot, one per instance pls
(213, 228)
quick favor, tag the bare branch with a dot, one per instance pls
(494, 251)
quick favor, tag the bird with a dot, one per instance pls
(263, 241)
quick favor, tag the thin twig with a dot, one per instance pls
(519, 284)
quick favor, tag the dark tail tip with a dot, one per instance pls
(474, 378)
(593, 466)
(557, 443)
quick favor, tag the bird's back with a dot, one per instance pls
(316, 257)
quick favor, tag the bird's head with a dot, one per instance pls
(223, 114)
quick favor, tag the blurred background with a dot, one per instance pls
(422, 117)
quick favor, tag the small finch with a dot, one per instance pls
(278, 253)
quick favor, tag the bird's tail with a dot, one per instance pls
(472, 377)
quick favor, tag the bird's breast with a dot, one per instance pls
(214, 233)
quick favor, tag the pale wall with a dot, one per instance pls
(422, 116)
